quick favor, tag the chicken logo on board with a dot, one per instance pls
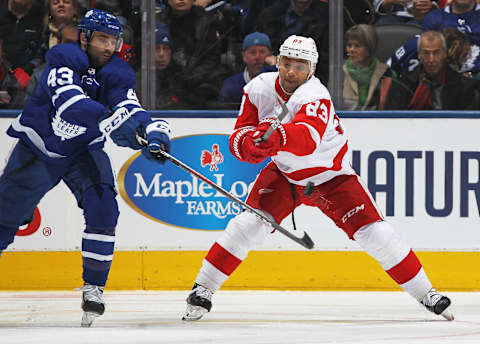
(213, 158)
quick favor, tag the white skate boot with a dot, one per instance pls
(438, 304)
(93, 304)
(199, 302)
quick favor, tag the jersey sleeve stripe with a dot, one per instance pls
(128, 102)
(64, 89)
(70, 102)
(34, 138)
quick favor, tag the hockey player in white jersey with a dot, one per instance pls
(310, 147)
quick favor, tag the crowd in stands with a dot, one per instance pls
(207, 50)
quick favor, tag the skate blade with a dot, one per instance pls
(193, 313)
(447, 315)
(88, 318)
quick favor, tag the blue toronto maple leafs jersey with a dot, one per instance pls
(468, 23)
(61, 118)
(405, 58)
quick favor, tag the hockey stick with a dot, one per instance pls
(279, 118)
(305, 241)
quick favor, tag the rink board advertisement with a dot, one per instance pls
(424, 174)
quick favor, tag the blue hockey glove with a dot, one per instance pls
(157, 134)
(121, 126)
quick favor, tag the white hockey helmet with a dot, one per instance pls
(299, 47)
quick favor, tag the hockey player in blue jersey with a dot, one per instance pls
(85, 94)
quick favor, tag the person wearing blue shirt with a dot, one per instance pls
(465, 16)
(256, 48)
(85, 94)
(405, 59)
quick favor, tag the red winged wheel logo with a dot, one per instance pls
(213, 158)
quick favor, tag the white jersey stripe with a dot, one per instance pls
(98, 237)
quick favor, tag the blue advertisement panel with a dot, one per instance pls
(166, 193)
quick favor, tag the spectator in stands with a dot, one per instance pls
(169, 92)
(167, 85)
(21, 29)
(11, 92)
(307, 18)
(255, 50)
(66, 33)
(405, 59)
(117, 7)
(433, 85)
(403, 11)
(196, 50)
(465, 16)
(57, 12)
(367, 80)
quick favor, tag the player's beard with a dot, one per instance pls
(96, 61)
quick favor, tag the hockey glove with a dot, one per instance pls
(253, 152)
(121, 127)
(157, 134)
(275, 142)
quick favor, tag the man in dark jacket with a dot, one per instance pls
(11, 93)
(298, 17)
(256, 49)
(433, 85)
(21, 27)
(196, 50)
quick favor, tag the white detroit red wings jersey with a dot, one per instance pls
(317, 146)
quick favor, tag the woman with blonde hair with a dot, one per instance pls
(58, 12)
(367, 80)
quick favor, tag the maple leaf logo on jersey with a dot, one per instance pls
(66, 130)
(213, 158)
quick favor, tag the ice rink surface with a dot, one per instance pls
(238, 317)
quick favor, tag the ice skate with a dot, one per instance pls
(199, 302)
(93, 304)
(438, 304)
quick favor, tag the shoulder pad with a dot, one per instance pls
(70, 55)
(118, 71)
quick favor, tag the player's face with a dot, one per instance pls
(357, 53)
(163, 55)
(62, 10)
(432, 55)
(101, 48)
(254, 57)
(293, 73)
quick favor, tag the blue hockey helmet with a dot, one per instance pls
(97, 20)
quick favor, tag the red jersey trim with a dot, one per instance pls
(222, 259)
(407, 269)
(280, 91)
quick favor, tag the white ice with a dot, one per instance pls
(238, 317)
